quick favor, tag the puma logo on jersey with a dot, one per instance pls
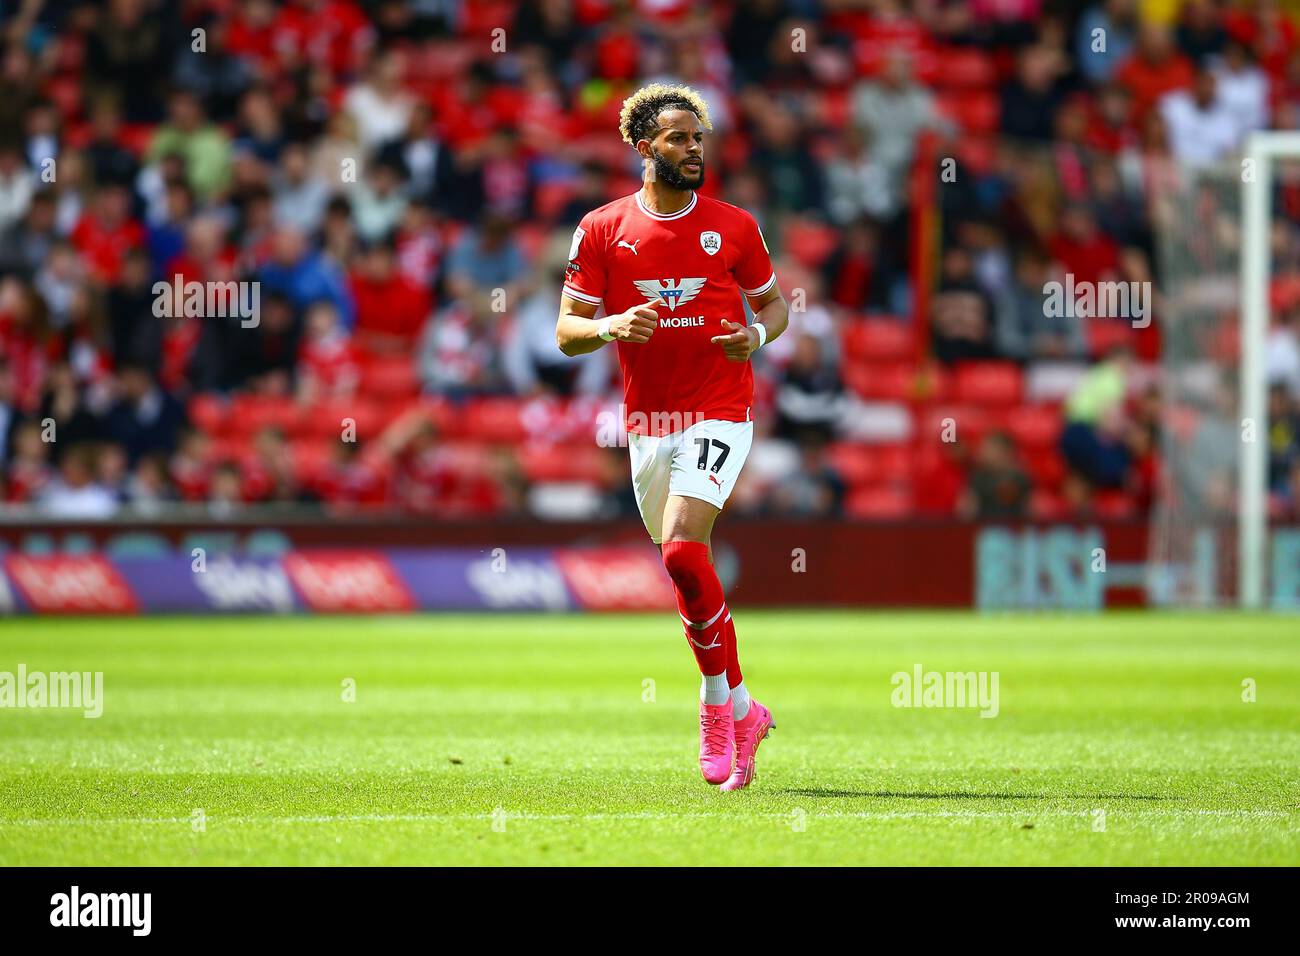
(631, 246)
(669, 292)
(714, 479)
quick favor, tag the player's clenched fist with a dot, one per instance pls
(636, 325)
(739, 344)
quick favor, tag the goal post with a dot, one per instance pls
(1263, 149)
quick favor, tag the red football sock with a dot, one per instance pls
(700, 602)
(734, 676)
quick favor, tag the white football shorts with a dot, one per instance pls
(702, 461)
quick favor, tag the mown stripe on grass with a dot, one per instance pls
(646, 815)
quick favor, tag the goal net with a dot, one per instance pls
(1226, 241)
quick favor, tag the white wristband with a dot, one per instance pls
(762, 333)
(603, 330)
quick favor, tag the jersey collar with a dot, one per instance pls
(672, 215)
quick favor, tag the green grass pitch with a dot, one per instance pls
(1121, 739)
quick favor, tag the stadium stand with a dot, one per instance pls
(403, 192)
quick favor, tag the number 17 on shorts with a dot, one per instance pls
(702, 461)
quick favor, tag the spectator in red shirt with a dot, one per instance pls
(332, 33)
(251, 35)
(1083, 249)
(24, 340)
(1110, 126)
(851, 272)
(352, 478)
(1270, 34)
(327, 362)
(617, 48)
(1155, 69)
(191, 466)
(104, 234)
(391, 309)
(29, 469)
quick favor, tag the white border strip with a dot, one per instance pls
(573, 293)
(763, 288)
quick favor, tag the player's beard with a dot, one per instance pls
(671, 175)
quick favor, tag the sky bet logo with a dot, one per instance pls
(103, 909)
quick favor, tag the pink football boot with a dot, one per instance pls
(717, 741)
(749, 734)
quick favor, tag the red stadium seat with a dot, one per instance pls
(562, 463)
(988, 383)
(1045, 466)
(898, 381)
(249, 414)
(328, 419)
(878, 340)
(1115, 505)
(897, 462)
(863, 464)
(853, 461)
(495, 420)
(967, 67)
(893, 382)
(1047, 505)
(974, 111)
(879, 502)
(1035, 426)
(310, 458)
(390, 377)
(809, 243)
(209, 414)
(1105, 334)
(466, 458)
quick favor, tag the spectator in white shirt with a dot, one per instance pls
(75, 494)
(380, 107)
(17, 185)
(300, 195)
(1243, 88)
(1202, 129)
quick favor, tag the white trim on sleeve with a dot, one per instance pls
(763, 288)
(580, 296)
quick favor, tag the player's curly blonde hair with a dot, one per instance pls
(640, 114)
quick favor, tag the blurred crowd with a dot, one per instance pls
(401, 179)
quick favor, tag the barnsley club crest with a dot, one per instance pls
(669, 292)
(711, 242)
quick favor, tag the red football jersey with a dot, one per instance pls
(693, 266)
